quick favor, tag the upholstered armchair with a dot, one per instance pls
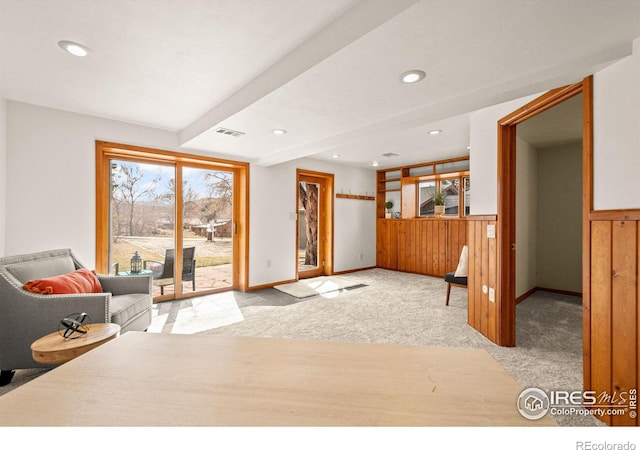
(26, 316)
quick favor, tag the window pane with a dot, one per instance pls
(426, 205)
(467, 195)
(422, 170)
(450, 189)
(207, 238)
(453, 166)
(142, 210)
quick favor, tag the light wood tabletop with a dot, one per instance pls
(55, 349)
(149, 379)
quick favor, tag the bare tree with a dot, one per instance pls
(189, 198)
(128, 188)
(309, 200)
(220, 186)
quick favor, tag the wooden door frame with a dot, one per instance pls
(506, 297)
(326, 199)
(108, 150)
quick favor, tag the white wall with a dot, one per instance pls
(559, 242)
(51, 176)
(50, 185)
(484, 155)
(273, 223)
(3, 171)
(526, 216)
(616, 137)
(616, 140)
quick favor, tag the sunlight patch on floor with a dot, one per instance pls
(196, 314)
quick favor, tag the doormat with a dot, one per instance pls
(316, 286)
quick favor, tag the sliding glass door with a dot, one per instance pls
(207, 228)
(174, 220)
(142, 218)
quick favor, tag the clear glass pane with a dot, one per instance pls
(393, 185)
(142, 213)
(453, 166)
(422, 170)
(207, 237)
(451, 190)
(308, 223)
(426, 204)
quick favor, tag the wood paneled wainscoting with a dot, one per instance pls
(612, 313)
(483, 272)
(424, 246)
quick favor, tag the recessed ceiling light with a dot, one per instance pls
(433, 132)
(412, 76)
(335, 156)
(74, 48)
(468, 147)
(279, 131)
(375, 164)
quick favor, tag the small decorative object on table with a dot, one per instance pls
(74, 326)
(136, 263)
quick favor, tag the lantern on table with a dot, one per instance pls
(136, 263)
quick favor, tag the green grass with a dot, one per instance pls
(206, 261)
(122, 252)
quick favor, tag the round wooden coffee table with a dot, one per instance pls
(54, 349)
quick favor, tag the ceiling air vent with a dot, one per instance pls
(389, 155)
(228, 132)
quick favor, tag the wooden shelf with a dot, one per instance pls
(356, 197)
(389, 180)
(405, 180)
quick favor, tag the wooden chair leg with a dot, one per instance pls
(448, 292)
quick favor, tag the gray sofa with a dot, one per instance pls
(25, 317)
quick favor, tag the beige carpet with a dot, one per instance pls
(408, 309)
(317, 286)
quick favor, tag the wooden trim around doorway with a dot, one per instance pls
(505, 289)
(327, 218)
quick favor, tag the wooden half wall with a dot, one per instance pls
(483, 272)
(424, 246)
(612, 314)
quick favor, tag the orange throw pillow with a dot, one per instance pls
(82, 281)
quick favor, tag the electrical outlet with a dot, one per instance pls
(492, 295)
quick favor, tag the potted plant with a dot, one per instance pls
(438, 199)
(388, 205)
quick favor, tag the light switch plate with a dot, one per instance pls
(491, 231)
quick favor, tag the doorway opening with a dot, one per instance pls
(507, 244)
(314, 237)
(549, 201)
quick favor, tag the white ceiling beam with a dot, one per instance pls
(358, 21)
